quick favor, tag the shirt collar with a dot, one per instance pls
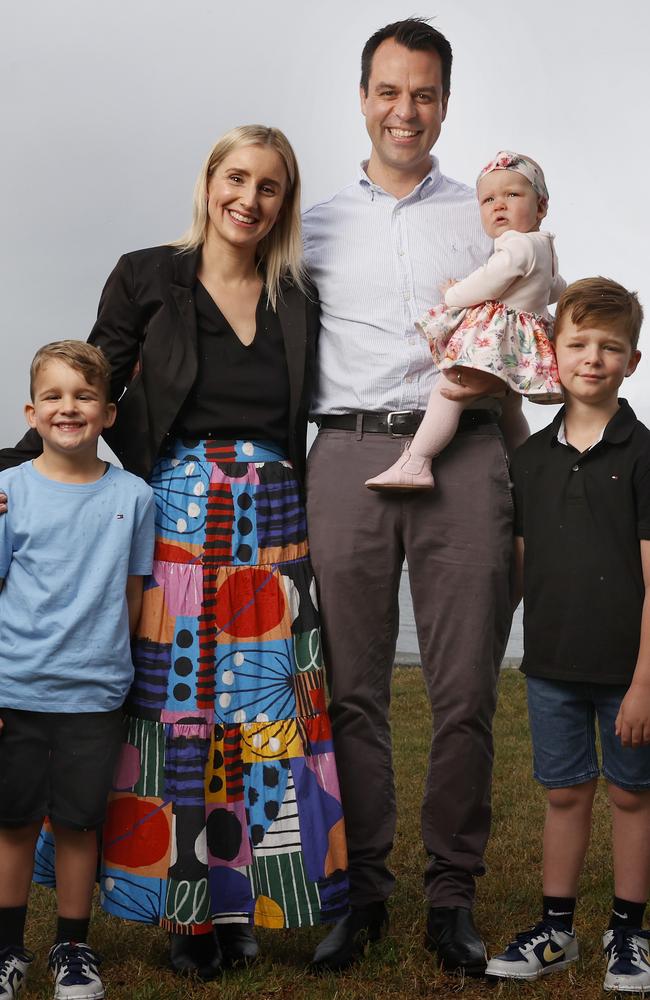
(616, 431)
(427, 184)
(622, 423)
(561, 437)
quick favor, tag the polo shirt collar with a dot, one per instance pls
(555, 425)
(427, 184)
(561, 436)
(621, 425)
(617, 430)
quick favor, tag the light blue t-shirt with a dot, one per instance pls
(66, 550)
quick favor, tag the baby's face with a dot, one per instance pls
(507, 201)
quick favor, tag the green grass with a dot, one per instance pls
(508, 897)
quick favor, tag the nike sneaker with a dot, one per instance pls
(535, 953)
(14, 962)
(74, 967)
(628, 960)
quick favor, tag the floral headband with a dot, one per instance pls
(505, 160)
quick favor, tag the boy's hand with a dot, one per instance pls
(3, 503)
(633, 720)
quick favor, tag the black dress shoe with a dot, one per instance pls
(237, 942)
(451, 934)
(350, 938)
(195, 954)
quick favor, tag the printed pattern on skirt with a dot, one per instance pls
(226, 804)
(491, 337)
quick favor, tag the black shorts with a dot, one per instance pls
(57, 764)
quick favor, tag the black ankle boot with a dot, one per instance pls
(195, 954)
(350, 938)
(452, 936)
(238, 943)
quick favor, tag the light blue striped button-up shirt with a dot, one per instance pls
(378, 263)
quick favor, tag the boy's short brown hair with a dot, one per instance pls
(88, 360)
(602, 302)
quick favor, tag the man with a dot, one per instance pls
(378, 252)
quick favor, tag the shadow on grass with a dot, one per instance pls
(509, 897)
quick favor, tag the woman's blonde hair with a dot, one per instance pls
(280, 252)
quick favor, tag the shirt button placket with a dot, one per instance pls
(400, 247)
(405, 284)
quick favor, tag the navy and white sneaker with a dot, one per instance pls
(628, 960)
(14, 963)
(74, 967)
(535, 953)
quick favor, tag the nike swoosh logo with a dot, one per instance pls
(551, 956)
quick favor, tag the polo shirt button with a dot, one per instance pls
(575, 468)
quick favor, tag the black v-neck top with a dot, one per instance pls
(240, 391)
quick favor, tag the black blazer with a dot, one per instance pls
(146, 322)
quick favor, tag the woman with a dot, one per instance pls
(226, 810)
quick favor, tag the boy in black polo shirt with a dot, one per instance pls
(582, 493)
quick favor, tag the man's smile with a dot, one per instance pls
(401, 133)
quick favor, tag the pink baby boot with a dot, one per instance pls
(409, 472)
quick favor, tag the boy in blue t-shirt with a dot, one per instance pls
(74, 547)
(582, 543)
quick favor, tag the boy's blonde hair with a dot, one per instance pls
(602, 302)
(88, 360)
(280, 252)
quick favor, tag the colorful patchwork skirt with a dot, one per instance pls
(491, 337)
(226, 804)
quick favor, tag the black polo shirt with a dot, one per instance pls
(581, 517)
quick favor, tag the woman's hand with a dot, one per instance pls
(3, 503)
(446, 285)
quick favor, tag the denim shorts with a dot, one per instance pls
(563, 717)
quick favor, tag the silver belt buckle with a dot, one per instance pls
(389, 421)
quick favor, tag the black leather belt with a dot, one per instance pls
(398, 423)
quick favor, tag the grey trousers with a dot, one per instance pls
(457, 541)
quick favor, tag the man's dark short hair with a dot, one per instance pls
(416, 34)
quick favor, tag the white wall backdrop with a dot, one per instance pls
(109, 107)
